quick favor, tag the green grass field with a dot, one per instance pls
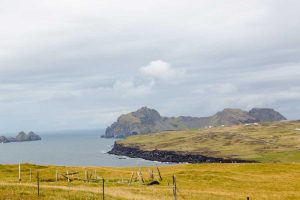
(267, 142)
(194, 181)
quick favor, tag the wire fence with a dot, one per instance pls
(106, 186)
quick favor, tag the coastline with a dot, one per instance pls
(169, 156)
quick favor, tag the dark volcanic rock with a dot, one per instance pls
(168, 156)
(147, 120)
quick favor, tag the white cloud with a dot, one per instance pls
(162, 70)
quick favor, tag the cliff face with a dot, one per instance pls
(21, 137)
(147, 120)
(143, 120)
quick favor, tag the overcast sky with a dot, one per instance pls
(70, 64)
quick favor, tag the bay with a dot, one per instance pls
(73, 148)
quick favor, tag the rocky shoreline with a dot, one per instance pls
(169, 156)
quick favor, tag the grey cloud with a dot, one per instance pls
(78, 64)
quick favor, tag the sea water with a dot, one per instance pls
(76, 148)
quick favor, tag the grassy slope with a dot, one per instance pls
(198, 181)
(268, 142)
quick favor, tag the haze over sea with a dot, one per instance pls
(77, 148)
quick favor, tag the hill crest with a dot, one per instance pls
(146, 120)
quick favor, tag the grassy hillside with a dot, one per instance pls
(194, 182)
(267, 142)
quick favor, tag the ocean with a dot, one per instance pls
(73, 148)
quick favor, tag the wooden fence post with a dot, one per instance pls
(137, 176)
(174, 187)
(103, 189)
(56, 175)
(38, 182)
(19, 171)
(85, 176)
(130, 178)
(160, 178)
(30, 175)
(68, 177)
(141, 177)
(151, 175)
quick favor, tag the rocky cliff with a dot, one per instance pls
(146, 120)
(169, 156)
(21, 137)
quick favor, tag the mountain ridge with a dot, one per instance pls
(146, 120)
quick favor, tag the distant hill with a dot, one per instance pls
(146, 120)
(257, 142)
(21, 137)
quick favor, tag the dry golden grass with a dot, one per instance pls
(194, 181)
